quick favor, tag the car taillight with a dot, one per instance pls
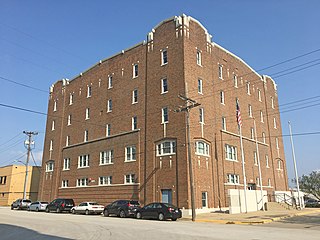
(171, 209)
(130, 205)
(62, 205)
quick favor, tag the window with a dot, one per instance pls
(55, 106)
(86, 136)
(274, 123)
(233, 179)
(269, 182)
(272, 102)
(164, 57)
(3, 180)
(279, 164)
(53, 125)
(130, 153)
(166, 148)
(110, 81)
(69, 120)
(129, 179)
(267, 161)
(252, 133)
(83, 161)
(235, 80)
(109, 106)
(134, 123)
(88, 91)
(82, 182)
(201, 115)
(277, 143)
(51, 145)
(135, 70)
(221, 97)
(199, 60)
(134, 96)
(106, 157)
(108, 130)
(68, 141)
(250, 110)
(248, 88)
(107, 180)
(259, 95)
(261, 116)
(87, 113)
(220, 72)
(65, 183)
(258, 181)
(264, 137)
(71, 99)
(231, 152)
(204, 199)
(200, 86)
(202, 148)
(164, 85)
(255, 158)
(49, 166)
(66, 164)
(165, 117)
(224, 123)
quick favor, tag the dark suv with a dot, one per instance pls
(20, 204)
(60, 205)
(121, 208)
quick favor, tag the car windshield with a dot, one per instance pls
(44, 202)
(93, 203)
(28, 201)
(134, 202)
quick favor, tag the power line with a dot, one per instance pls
(23, 85)
(10, 139)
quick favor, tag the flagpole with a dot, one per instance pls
(259, 166)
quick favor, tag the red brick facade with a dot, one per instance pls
(163, 173)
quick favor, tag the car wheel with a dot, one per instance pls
(37, 209)
(87, 212)
(11, 207)
(174, 219)
(28, 209)
(58, 210)
(73, 211)
(161, 217)
(47, 210)
(122, 214)
(138, 215)
(106, 213)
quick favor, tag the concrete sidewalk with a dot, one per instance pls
(258, 217)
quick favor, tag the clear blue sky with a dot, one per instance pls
(44, 41)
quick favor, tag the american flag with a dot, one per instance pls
(239, 121)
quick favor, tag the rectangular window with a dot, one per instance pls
(53, 125)
(277, 143)
(235, 80)
(106, 157)
(69, 120)
(67, 141)
(65, 183)
(108, 130)
(259, 95)
(51, 145)
(166, 148)
(252, 133)
(231, 152)
(272, 102)
(164, 57)
(82, 182)
(110, 81)
(134, 123)
(135, 70)
(164, 85)
(258, 181)
(269, 182)
(131, 154)
(261, 117)
(134, 96)
(264, 137)
(109, 106)
(279, 164)
(224, 123)
(106, 180)
(204, 199)
(233, 179)
(248, 88)
(71, 99)
(49, 167)
(221, 97)
(274, 123)
(255, 158)
(200, 86)
(83, 161)
(165, 117)
(87, 113)
(129, 179)
(199, 59)
(202, 148)
(89, 91)
(55, 106)
(66, 164)
(250, 110)
(220, 72)
(267, 161)
(201, 115)
(86, 136)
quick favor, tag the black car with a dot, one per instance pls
(160, 211)
(60, 205)
(121, 208)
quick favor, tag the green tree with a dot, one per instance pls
(311, 183)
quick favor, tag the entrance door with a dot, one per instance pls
(166, 195)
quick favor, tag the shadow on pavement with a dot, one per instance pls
(16, 232)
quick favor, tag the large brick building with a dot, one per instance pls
(112, 131)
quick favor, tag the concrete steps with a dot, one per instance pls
(275, 206)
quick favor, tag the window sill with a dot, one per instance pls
(66, 169)
(165, 154)
(128, 161)
(134, 77)
(200, 65)
(165, 122)
(164, 92)
(231, 160)
(83, 167)
(204, 155)
(133, 103)
(164, 64)
(105, 164)
(232, 184)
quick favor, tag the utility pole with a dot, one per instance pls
(189, 105)
(27, 144)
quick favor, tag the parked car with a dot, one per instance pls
(88, 208)
(38, 206)
(60, 205)
(20, 204)
(122, 208)
(160, 211)
(312, 203)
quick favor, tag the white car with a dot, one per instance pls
(37, 206)
(88, 208)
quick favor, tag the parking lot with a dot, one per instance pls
(17, 224)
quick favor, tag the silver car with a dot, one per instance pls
(38, 206)
(20, 204)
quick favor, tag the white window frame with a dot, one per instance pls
(130, 154)
(135, 96)
(89, 91)
(277, 143)
(109, 105)
(252, 133)
(263, 137)
(71, 99)
(231, 153)
(255, 158)
(199, 57)
(220, 71)
(55, 106)
(164, 57)
(110, 83)
(129, 178)
(87, 113)
(106, 157)
(50, 166)
(135, 70)
(250, 110)
(105, 180)
(200, 86)
(66, 164)
(201, 115)
(259, 95)
(108, 130)
(222, 100)
(51, 146)
(53, 125)
(235, 80)
(164, 84)
(272, 102)
(248, 88)
(233, 179)
(202, 148)
(164, 115)
(69, 120)
(67, 141)
(267, 161)
(269, 182)
(274, 123)
(86, 136)
(279, 165)
(134, 123)
(261, 117)
(204, 199)
(257, 181)
(83, 161)
(167, 147)
(65, 183)
(224, 123)
(82, 182)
